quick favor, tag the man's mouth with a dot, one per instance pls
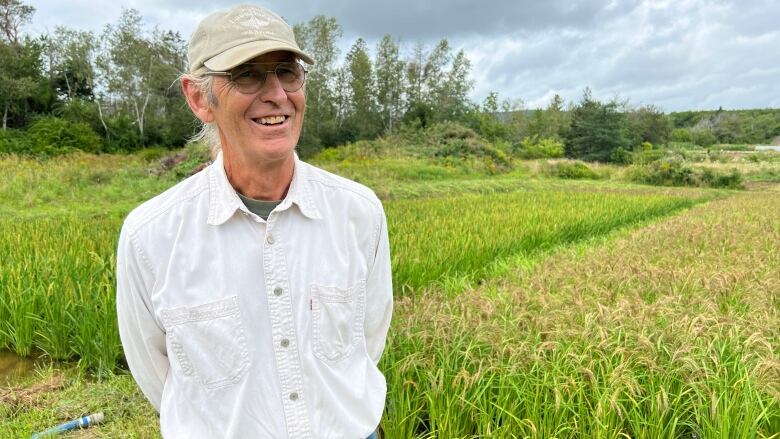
(270, 120)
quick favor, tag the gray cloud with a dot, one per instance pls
(679, 54)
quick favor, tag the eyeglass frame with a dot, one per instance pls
(229, 74)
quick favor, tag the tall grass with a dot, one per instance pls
(669, 332)
(57, 288)
(462, 236)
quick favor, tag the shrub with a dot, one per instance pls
(682, 135)
(450, 140)
(703, 137)
(535, 148)
(572, 170)
(621, 156)
(674, 171)
(712, 178)
(54, 136)
(152, 153)
(14, 142)
(648, 156)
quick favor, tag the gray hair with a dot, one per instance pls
(209, 131)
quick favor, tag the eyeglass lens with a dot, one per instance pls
(249, 78)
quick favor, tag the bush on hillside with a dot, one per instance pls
(51, 136)
(451, 140)
(674, 171)
(535, 148)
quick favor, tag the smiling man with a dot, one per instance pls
(254, 298)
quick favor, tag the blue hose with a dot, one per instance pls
(83, 422)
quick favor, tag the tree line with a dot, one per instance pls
(116, 90)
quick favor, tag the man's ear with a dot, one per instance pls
(197, 100)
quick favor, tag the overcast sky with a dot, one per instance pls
(677, 54)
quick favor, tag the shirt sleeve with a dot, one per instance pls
(143, 340)
(379, 295)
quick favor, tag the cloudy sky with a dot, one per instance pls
(677, 54)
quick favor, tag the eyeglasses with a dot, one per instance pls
(250, 77)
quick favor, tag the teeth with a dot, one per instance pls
(271, 120)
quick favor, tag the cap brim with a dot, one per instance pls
(244, 52)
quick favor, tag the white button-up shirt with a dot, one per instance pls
(236, 327)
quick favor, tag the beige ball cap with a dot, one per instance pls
(228, 38)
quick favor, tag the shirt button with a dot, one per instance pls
(278, 291)
(285, 342)
(294, 396)
(269, 239)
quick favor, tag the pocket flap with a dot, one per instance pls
(208, 311)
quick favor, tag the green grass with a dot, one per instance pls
(460, 236)
(52, 396)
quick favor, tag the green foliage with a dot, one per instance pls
(536, 148)
(488, 126)
(758, 126)
(196, 155)
(575, 170)
(23, 89)
(452, 140)
(596, 130)
(553, 122)
(319, 36)
(645, 156)
(53, 136)
(621, 156)
(14, 142)
(362, 120)
(69, 53)
(698, 136)
(648, 124)
(703, 137)
(674, 171)
(389, 82)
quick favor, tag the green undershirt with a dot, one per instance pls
(260, 208)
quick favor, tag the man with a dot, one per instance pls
(254, 297)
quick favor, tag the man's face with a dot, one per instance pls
(261, 127)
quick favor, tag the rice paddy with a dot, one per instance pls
(524, 308)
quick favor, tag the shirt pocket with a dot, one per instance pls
(337, 320)
(209, 342)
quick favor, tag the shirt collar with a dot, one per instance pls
(223, 200)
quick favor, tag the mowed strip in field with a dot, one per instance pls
(670, 331)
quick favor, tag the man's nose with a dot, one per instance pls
(272, 90)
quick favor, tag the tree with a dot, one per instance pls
(437, 85)
(389, 82)
(363, 120)
(70, 55)
(453, 92)
(649, 124)
(13, 15)
(434, 72)
(415, 76)
(319, 38)
(550, 123)
(597, 130)
(19, 77)
(138, 71)
(20, 65)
